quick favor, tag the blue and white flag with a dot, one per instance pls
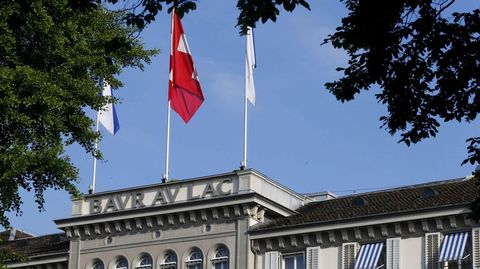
(107, 115)
(249, 66)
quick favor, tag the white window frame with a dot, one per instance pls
(393, 253)
(312, 258)
(220, 259)
(476, 248)
(297, 253)
(427, 249)
(271, 260)
(355, 251)
(169, 265)
(193, 262)
(144, 266)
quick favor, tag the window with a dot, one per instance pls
(195, 260)
(432, 242)
(293, 261)
(98, 265)
(450, 251)
(393, 253)
(271, 260)
(475, 248)
(312, 258)
(428, 192)
(359, 201)
(453, 253)
(366, 256)
(170, 261)
(121, 263)
(145, 262)
(349, 250)
(370, 256)
(220, 260)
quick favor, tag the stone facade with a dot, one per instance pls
(243, 219)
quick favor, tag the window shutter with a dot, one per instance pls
(393, 253)
(271, 260)
(476, 248)
(432, 244)
(313, 258)
(349, 250)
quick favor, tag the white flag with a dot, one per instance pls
(108, 116)
(249, 66)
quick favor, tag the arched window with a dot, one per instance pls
(195, 260)
(170, 261)
(98, 265)
(145, 262)
(220, 259)
(121, 263)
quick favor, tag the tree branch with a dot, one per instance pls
(445, 7)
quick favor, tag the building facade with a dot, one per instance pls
(243, 219)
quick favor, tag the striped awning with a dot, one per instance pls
(453, 247)
(367, 257)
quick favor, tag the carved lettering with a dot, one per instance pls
(167, 194)
(95, 206)
(221, 190)
(172, 196)
(110, 205)
(159, 198)
(122, 204)
(209, 190)
(137, 199)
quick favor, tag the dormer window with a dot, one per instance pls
(359, 201)
(428, 192)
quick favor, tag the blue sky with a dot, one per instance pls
(299, 134)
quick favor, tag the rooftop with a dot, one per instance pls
(421, 197)
(37, 246)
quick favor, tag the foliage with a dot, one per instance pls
(52, 53)
(52, 56)
(8, 255)
(142, 12)
(424, 58)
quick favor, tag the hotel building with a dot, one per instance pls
(244, 219)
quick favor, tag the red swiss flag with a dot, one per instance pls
(184, 91)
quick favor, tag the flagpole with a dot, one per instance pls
(243, 164)
(167, 158)
(167, 153)
(249, 90)
(94, 177)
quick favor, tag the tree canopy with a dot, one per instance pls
(425, 60)
(53, 53)
(142, 12)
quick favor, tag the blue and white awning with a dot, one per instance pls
(453, 247)
(367, 257)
